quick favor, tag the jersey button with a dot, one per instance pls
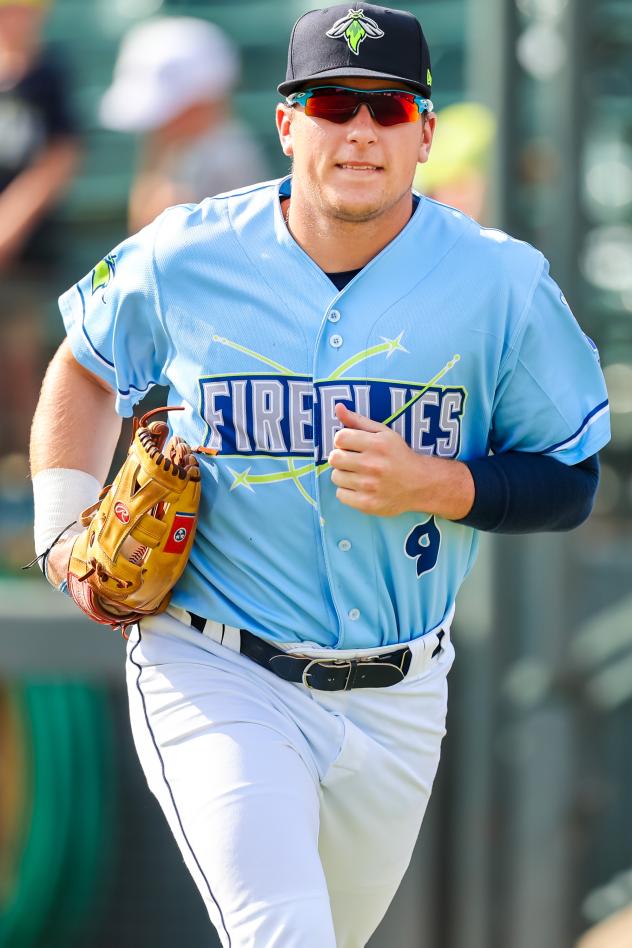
(336, 341)
(344, 546)
(354, 614)
(334, 316)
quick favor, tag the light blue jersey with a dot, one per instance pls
(455, 335)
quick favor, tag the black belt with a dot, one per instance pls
(325, 674)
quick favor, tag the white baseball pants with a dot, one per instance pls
(296, 811)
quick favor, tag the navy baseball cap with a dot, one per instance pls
(362, 41)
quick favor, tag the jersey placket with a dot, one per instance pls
(344, 532)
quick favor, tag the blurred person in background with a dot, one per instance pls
(172, 84)
(458, 175)
(613, 932)
(39, 151)
(38, 133)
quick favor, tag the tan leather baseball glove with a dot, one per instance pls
(138, 536)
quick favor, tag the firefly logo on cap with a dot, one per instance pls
(354, 28)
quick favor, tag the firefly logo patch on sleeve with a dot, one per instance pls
(103, 273)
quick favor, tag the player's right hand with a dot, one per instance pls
(58, 560)
(57, 564)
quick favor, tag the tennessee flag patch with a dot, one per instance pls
(183, 524)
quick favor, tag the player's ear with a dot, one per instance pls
(429, 125)
(284, 128)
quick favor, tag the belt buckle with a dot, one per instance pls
(327, 663)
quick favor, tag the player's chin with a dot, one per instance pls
(357, 207)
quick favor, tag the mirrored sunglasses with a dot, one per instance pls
(340, 103)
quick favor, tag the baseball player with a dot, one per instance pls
(366, 363)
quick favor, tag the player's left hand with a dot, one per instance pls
(376, 472)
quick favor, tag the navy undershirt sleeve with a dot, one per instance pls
(518, 492)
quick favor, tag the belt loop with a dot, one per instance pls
(406, 662)
(197, 622)
(439, 646)
(353, 668)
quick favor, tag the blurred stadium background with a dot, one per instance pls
(528, 838)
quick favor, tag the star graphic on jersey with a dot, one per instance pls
(394, 345)
(241, 479)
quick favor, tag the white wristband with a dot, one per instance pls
(60, 495)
